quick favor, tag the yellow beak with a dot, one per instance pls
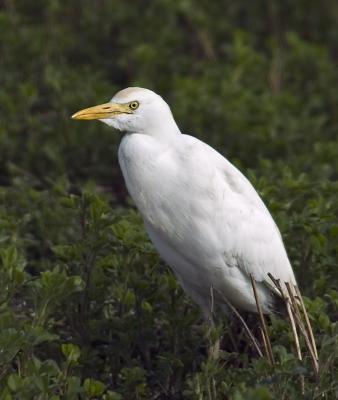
(102, 111)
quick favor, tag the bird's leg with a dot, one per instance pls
(244, 324)
(214, 345)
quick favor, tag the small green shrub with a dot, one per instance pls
(87, 308)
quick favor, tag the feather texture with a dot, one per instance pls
(205, 219)
(203, 216)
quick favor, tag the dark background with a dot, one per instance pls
(87, 309)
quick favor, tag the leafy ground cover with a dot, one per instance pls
(87, 308)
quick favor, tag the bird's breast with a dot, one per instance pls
(175, 200)
(160, 186)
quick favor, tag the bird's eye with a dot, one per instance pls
(133, 105)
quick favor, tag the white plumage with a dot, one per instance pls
(203, 216)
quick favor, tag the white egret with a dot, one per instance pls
(203, 216)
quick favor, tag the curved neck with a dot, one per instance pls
(162, 127)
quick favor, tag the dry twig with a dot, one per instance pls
(293, 301)
(267, 342)
(307, 321)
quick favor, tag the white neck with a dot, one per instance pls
(161, 126)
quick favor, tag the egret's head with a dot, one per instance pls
(133, 110)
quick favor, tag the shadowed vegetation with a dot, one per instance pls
(87, 308)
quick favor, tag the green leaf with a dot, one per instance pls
(71, 351)
(94, 388)
(14, 382)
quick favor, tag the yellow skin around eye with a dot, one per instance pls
(134, 105)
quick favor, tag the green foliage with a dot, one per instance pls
(87, 309)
